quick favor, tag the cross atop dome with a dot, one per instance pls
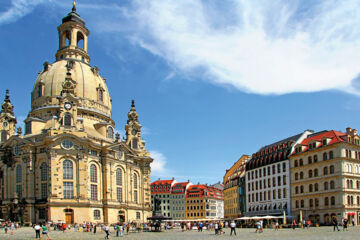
(74, 6)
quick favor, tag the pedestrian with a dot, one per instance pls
(128, 228)
(304, 224)
(232, 226)
(335, 224)
(44, 231)
(216, 228)
(94, 228)
(353, 221)
(293, 224)
(121, 227)
(12, 227)
(345, 223)
(200, 227)
(182, 226)
(308, 224)
(257, 226)
(117, 228)
(37, 230)
(107, 229)
(276, 226)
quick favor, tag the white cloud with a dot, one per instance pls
(263, 47)
(158, 168)
(18, 9)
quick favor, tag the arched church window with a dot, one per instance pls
(101, 95)
(67, 120)
(118, 177)
(110, 132)
(135, 188)
(135, 143)
(67, 169)
(18, 174)
(93, 173)
(43, 173)
(40, 90)
(119, 184)
(3, 136)
(135, 181)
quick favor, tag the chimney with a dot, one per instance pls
(173, 178)
(159, 179)
(348, 130)
(355, 132)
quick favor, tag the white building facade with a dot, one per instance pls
(268, 178)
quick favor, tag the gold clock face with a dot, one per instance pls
(133, 132)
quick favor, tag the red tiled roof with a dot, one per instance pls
(335, 137)
(161, 186)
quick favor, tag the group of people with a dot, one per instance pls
(10, 226)
(44, 231)
(344, 223)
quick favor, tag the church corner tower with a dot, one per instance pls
(69, 165)
(133, 131)
(7, 119)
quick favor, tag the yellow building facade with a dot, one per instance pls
(234, 191)
(69, 165)
(325, 177)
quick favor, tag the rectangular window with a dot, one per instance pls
(284, 179)
(44, 192)
(119, 194)
(135, 196)
(93, 192)
(19, 191)
(68, 190)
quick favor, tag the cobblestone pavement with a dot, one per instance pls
(322, 233)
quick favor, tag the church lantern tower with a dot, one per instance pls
(73, 38)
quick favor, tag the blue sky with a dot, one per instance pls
(212, 79)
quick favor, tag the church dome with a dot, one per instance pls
(90, 87)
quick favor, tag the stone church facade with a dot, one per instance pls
(69, 165)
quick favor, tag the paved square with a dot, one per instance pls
(322, 233)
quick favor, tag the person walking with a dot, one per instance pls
(128, 228)
(293, 224)
(200, 227)
(216, 228)
(345, 224)
(353, 221)
(117, 228)
(37, 230)
(232, 227)
(44, 231)
(94, 228)
(107, 229)
(335, 224)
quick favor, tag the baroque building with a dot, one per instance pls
(268, 178)
(69, 165)
(234, 191)
(325, 177)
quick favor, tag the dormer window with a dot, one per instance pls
(110, 132)
(39, 90)
(100, 91)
